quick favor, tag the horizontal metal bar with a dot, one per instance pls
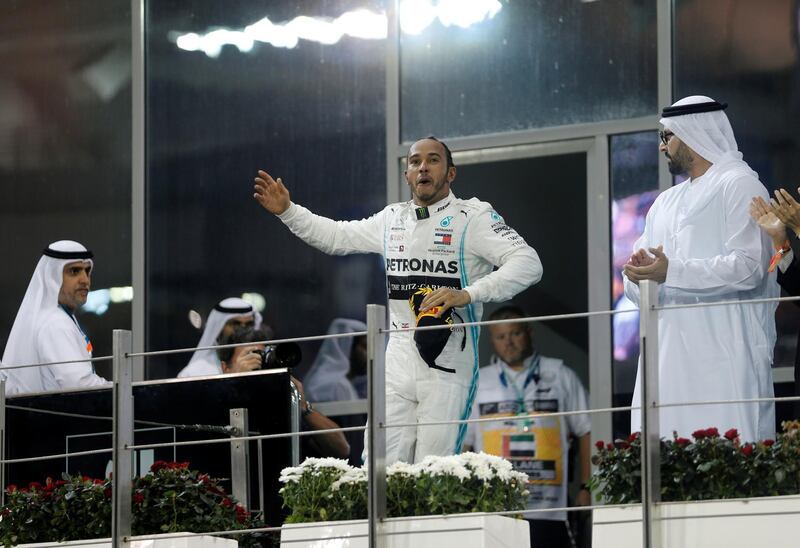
(726, 303)
(723, 402)
(544, 134)
(247, 438)
(58, 456)
(571, 316)
(512, 418)
(235, 345)
(342, 408)
(99, 359)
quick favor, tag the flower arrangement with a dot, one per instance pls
(331, 490)
(170, 498)
(708, 466)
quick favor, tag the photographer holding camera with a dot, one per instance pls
(252, 357)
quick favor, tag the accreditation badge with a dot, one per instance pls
(533, 446)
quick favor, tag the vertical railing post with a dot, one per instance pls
(122, 396)
(376, 434)
(294, 419)
(650, 435)
(240, 457)
(2, 441)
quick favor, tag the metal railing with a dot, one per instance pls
(123, 421)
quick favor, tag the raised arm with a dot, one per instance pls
(327, 235)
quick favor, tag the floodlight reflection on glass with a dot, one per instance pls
(415, 16)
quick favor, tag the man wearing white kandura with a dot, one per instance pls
(46, 329)
(440, 252)
(701, 245)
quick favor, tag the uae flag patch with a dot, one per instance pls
(519, 446)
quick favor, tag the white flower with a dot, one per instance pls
(399, 467)
(446, 466)
(354, 475)
(291, 474)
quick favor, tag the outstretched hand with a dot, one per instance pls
(763, 214)
(271, 193)
(654, 268)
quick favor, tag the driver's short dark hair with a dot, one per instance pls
(240, 335)
(446, 150)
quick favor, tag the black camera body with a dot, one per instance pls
(279, 356)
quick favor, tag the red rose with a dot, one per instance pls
(11, 488)
(624, 444)
(59, 483)
(34, 485)
(768, 443)
(599, 444)
(203, 478)
(86, 478)
(226, 502)
(241, 513)
(138, 498)
(98, 482)
(747, 449)
(682, 442)
(699, 434)
(609, 446)
(107, 492)
(158, 465)
(712, 432)
(732, 434)
(633, 437)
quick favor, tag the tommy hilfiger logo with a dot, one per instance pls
(442, 238)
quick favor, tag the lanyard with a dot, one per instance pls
(532, 375)
(75, 321)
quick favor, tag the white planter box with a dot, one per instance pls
(441, 532)
(180, 542)
(706, 524)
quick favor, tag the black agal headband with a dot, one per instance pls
(234, 309)
(694, 108)
(77, 255)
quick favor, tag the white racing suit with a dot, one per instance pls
(457, 246)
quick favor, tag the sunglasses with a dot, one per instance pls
(665, 136)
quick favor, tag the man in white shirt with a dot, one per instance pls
(701, 246)
(46, 329)
(520, 381)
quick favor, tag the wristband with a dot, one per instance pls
(308, 410)
(780, 252)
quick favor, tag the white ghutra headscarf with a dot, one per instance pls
(40, 299)
(700, 122)
(225, 310)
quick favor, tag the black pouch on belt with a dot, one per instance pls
(430, 343)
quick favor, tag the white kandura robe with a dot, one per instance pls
(716, 252)
(57, 338)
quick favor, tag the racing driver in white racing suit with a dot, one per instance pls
(435, 240)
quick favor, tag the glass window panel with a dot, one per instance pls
(312, 114)
(65, 142)
(746, 54)
(634, 187)
(533, 64)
